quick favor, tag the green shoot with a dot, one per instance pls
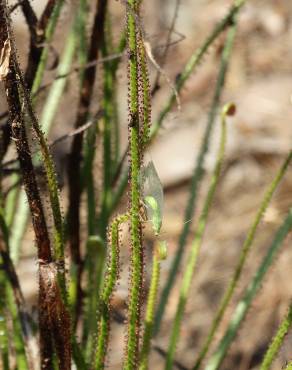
(277, 341)
(4, 348)
(136, 157)
(111, 278)
(159, 254)
(196, 245)
(197, 176)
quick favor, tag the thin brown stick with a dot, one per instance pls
(162, 72)
(77, 68)
(45, 17)
(12, 8)
(34, 200)
(37, 43)
(156, 84)
(37, 35)
(57, 314)
(30, 17)
(19, 137)
(4, 139)
(51, 320)
(74, 162)
(79, 130)
(51, 144)
(52, 274)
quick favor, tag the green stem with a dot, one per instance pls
(53, 100)
(116, 129)
(82, 36)
(111, 278)
(95, 246)
(196, 178)
(19, 221)
(158, 255)
(19, 346)
(196, 246)
(78, 355)
(94, 265)
(108, 88)
(111, 138)
(4, 348)
(249, 294)
(88, 183)
(277, 341)
(135, 299)
(10, 285)
(137, 258)
(146, 98)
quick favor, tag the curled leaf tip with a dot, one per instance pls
(229, 109)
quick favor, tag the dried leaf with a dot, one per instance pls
(4, 59)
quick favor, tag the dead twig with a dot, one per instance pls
(156, 84)
(74, 162)
(71, 134)
(53, 328)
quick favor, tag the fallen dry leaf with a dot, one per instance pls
(4, 59)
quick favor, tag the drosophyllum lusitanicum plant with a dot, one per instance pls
(79, 270)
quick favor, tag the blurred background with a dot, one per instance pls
(259, 81)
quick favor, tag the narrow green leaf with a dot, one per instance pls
(159, 254)
(196, 246)
(196, 178)
(277, 341)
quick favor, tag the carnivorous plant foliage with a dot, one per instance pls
(84, 227)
